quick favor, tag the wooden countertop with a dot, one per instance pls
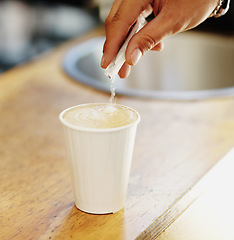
(176, 144)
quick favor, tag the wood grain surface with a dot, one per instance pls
(211, 215)
(176, 144)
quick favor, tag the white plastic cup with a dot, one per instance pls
(100, 161)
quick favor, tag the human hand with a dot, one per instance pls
(171, 17)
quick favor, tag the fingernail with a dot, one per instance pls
(102, 61)
(136, 55)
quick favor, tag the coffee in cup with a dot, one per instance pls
(100, 141)
(100, 115)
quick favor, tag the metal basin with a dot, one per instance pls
(191, 66)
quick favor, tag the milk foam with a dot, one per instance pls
(100, 116)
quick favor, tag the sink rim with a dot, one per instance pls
(77, 52)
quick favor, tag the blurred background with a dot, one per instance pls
(30, 27)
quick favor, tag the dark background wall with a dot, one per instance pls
(29, 27)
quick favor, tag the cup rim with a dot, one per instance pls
(86, 129)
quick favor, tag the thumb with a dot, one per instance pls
(148, 38)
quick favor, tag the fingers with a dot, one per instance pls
(126, 68)
(172, 16)
(114, 9)
(158, 47)
(122, 16)
(124, 71)
(149, 38)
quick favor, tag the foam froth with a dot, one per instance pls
(100, 115)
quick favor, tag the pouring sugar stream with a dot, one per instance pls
(113, 68)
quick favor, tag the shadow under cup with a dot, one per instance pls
(100, 161)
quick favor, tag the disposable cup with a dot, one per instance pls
(100, 161)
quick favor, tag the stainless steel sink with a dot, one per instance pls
(192, 66)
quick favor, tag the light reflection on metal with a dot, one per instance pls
(191, 66)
